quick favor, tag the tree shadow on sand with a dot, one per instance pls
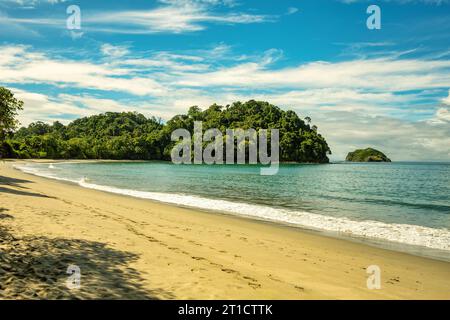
(5, 215)
(15, 186)
(36, 268)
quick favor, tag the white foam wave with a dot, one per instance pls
(41, 173)
(401, 233)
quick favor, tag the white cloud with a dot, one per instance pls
(179, 16)
(291, 10)
(19, 64)
(164, 62)
(30, 3)
(40, 107)
(447, 99)
(338, 100)
(64, 107)
(443, 114)
(381, 74)
(174, 17)
(114, 51)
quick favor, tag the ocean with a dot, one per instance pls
(402, 206)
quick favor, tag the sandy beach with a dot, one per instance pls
(131, 248)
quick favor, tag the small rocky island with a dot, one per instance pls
(367, 155)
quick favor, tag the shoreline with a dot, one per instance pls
(192, 254)
(388, 244)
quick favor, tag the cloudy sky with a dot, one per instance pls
(386, 88)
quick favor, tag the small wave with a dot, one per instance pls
(431, 206)
(83, 180)
(41, 173)
(403, 233)
(400, 233)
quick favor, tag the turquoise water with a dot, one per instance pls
(399, 202)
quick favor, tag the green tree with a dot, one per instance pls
(130, 135)
(9, 106)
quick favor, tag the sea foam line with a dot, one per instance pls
(401, 233)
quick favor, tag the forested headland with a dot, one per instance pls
(132, 136)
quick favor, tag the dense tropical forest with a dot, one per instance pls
(130, 135)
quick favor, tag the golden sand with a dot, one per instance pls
(132, 248)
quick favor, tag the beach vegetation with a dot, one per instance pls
(9, 107)
(133, 136)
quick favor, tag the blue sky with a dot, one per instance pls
(386, 88)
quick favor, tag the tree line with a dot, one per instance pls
(131, 135)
